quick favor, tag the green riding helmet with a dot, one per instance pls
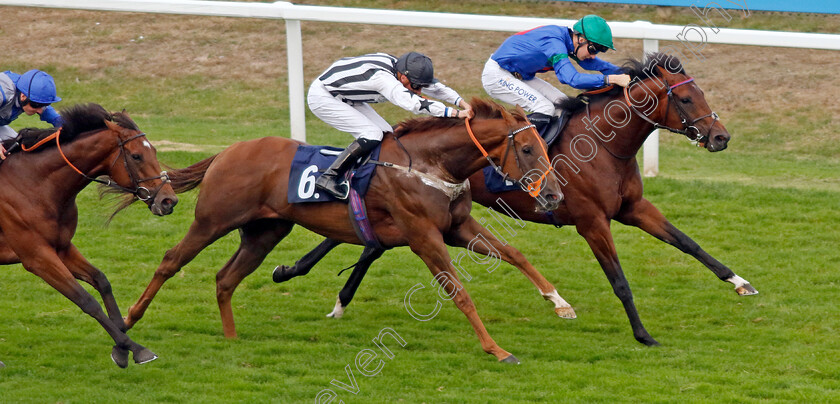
(595, 29)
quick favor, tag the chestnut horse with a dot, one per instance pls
(418, 198)
(39, 213)
(600, 186)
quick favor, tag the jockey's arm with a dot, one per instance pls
(398, 95)
(442, 92)
(567, 74)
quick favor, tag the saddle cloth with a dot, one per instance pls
(308, 164)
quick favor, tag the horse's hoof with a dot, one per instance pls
(565, 312)
(510, 359)
(746, 290)
(647, 340)
(281, 273)
(120, 356)
(2, 365)
(144, 356)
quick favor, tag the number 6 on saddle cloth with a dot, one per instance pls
(308, 164)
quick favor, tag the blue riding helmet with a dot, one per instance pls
(38, 86)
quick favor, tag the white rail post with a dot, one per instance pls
(651, 146)
(294, 50)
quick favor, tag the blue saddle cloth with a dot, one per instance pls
(308, 164)
(495, 183)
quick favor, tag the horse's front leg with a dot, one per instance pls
(427, 243)
(597, 233)
(198, 237)
(49, 267)
(647, 217)
(85, 271)
(477, 239)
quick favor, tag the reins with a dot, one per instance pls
(533, 188)
(141, 193)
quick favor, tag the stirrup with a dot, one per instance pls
(339, 190)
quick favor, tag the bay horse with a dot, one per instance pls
(600, 186)
(38, 212)
(409, 202)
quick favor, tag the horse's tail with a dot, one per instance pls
(185, 179)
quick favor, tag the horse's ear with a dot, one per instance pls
(507, 116)
(112, 125)
(520, 111)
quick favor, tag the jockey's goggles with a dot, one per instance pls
(595, 48)
(37, 105)
(417, 87)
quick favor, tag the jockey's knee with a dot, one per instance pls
(543, 106)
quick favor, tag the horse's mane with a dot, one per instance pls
(77, 119)
(484, 109)
(636, 70)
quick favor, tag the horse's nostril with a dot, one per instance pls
(167, 204)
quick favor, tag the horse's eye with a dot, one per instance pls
(526, 150)
(685, 100)
(137, 157)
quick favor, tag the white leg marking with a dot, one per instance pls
(338, 310)
(561, 307)
(556, 299)
(737, 281)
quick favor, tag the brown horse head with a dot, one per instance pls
(94, 142)
(505, 139)
(135, 167)
(685, 108)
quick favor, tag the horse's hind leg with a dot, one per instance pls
(198, 237)
(60, 278)
(85, 271)
(477, 239)
(283, 273)
(647, 217)
(258, 238)
(369, 255)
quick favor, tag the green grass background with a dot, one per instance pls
(769, 213)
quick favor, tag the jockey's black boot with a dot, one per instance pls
(332, 180)
(540, 121)
(548, 126)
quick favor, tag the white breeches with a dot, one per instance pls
(360, 120)
(6, 132)
(535, 95)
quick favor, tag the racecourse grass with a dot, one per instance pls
(716, 346)
(766, 207)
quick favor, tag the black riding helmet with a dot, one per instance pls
(417, 67)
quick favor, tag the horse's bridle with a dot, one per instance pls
(142, 193)
(688, 126)
(533, 187)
